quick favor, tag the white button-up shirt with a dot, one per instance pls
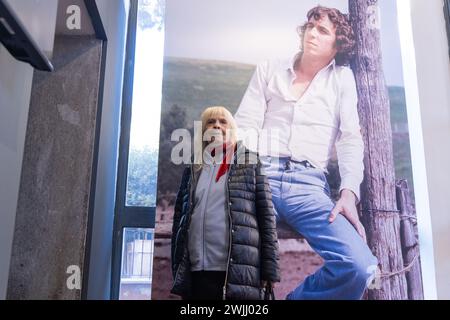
(307, 128)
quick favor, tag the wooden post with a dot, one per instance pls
(410, 242)
(378, 199)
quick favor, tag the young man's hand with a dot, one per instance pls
(346, 206)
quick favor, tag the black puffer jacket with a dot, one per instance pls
(253, 254)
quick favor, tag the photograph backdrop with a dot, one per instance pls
(210, 53)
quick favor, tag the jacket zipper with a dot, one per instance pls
(212, 171)
(230, 233)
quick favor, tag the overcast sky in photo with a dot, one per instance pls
(250, 31)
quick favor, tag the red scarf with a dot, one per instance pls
(227, 155)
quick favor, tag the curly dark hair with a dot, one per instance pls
(345, 37)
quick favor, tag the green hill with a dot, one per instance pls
(197, 84)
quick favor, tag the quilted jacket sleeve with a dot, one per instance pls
(178, 213)
(270, 270)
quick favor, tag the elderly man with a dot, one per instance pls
(308, 105)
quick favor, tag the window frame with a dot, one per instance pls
(126, 216)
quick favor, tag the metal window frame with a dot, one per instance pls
(100, 34)
(126, 216)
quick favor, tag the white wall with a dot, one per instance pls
(433, 79)
(114, 16)
(15, 90)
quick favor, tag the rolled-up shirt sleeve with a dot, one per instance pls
(349, 144)
(250, 114)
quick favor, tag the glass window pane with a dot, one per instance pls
(146, 107)
(137, 264)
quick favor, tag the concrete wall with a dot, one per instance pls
(15, 89)
(433, 84)
(114, 16)
(52, 211)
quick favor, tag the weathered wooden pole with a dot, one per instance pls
(410, 241)
(378, 199)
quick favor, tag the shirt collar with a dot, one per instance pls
(291, 62)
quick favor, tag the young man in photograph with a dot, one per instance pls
(308, 105)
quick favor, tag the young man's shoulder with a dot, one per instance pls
(345, 77)
(344, 71)
(274, 63)
(270, 67)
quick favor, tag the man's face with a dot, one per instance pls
(320, 38)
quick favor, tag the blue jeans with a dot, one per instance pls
(301, 197)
